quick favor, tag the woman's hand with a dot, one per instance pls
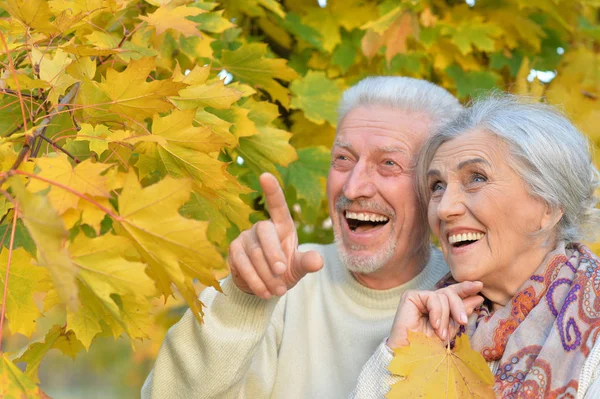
(438, 312)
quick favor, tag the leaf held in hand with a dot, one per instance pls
(431, 370)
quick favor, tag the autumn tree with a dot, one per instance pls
(132, 134)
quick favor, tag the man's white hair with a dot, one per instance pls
(402, 93)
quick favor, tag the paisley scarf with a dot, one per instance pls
(543, 336)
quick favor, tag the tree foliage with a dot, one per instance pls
(132, 132)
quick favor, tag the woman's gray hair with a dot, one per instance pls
(546, 150)
(402, 93)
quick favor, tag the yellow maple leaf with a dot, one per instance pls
(14, 384)
(132, 96)
(177, 129)
(85, 178)
(56, 338)
(33, 13)
(432, 370)
(53, 71)
(166, 17)
(249, 64)
(175, 248)
(23, 279)
(214, 95)
(108, 284)
(49, 234)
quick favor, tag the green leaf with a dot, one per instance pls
(317, 96)
(468, 83)
(307, 176)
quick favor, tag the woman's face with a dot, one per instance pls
(482, 213)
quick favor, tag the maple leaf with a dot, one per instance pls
(307, 175)
(317, 96)
(175, 18)
(14, 384)
(85, 178)
(53, 71)
(21, 310)
(175, 248)
(402, 26)
(49, 234)
(33, 13)
(107, 281)
(56, 338)
(432, 370)
(199, 93)
(248, 63)
(132, 96)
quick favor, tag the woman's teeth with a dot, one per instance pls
(457, 238)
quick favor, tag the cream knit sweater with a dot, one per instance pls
(310, 343)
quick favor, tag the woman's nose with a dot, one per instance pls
(451, 204)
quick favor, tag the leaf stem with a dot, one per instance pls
(10, 252)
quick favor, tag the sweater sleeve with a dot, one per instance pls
(233, 354)
(375, 380)
(589, 379)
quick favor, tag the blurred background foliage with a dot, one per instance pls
(258, 74)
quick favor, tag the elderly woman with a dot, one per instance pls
(510, 193)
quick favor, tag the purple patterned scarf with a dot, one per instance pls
(543, 336)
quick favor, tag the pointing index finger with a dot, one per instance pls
(278, 209)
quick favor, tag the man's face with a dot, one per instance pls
(372, 197)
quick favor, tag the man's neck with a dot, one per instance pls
(393, 274)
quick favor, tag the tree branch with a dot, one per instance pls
(40, 131)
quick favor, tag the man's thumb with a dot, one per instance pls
(307, 262)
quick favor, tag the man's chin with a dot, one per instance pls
(363, 261)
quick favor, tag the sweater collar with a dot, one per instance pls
(433, 271)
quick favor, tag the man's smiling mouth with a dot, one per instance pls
(363, 221)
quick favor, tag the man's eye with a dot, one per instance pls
(390, 163)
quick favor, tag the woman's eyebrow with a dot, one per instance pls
(472, 161)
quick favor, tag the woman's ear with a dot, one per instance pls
(551, 217)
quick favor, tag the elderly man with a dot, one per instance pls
(300, 322)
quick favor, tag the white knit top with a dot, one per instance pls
(310, 343)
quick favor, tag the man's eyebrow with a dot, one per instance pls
(342, 144)
(472, 161)
(392, 148)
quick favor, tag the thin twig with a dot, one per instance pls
(54, 145)
(10, 252)
(15, 93)
(61, 105)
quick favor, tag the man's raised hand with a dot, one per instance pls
(265, 260)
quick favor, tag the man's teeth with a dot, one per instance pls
(369, 217)
(453, 239)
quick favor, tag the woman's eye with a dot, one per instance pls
(436, 186)
(478, 178)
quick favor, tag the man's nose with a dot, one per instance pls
(451, 204)
(360, 182)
